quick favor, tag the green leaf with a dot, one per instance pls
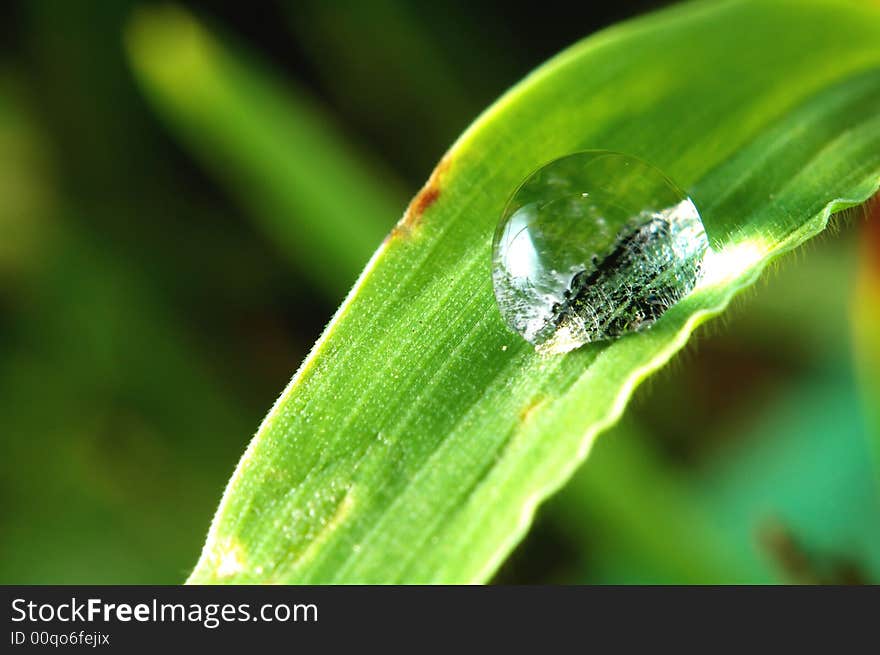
(416, 440)
(309, 189)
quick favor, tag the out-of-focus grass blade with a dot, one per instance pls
(801, 469)
(122, 460)
(370, 52)
(767, 508)
(626, 500)
(139, 426)
(325, 205)
(416, 440)
(25, 195)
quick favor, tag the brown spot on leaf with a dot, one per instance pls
(527, 411)
(426, 197)
(423, 200)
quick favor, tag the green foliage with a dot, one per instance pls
(415, 442)
(146, 321)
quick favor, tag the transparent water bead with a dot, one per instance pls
(593, 246)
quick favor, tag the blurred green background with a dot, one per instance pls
(187, 192)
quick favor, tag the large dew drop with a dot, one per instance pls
(593, 246)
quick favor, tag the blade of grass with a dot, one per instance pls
(324, 204)
(416, 440)
(26, 194)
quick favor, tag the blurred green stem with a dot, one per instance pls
(638, 504)
(304, 184)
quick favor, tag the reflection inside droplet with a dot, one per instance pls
(593, 246)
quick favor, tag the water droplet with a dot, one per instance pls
(593, 246)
